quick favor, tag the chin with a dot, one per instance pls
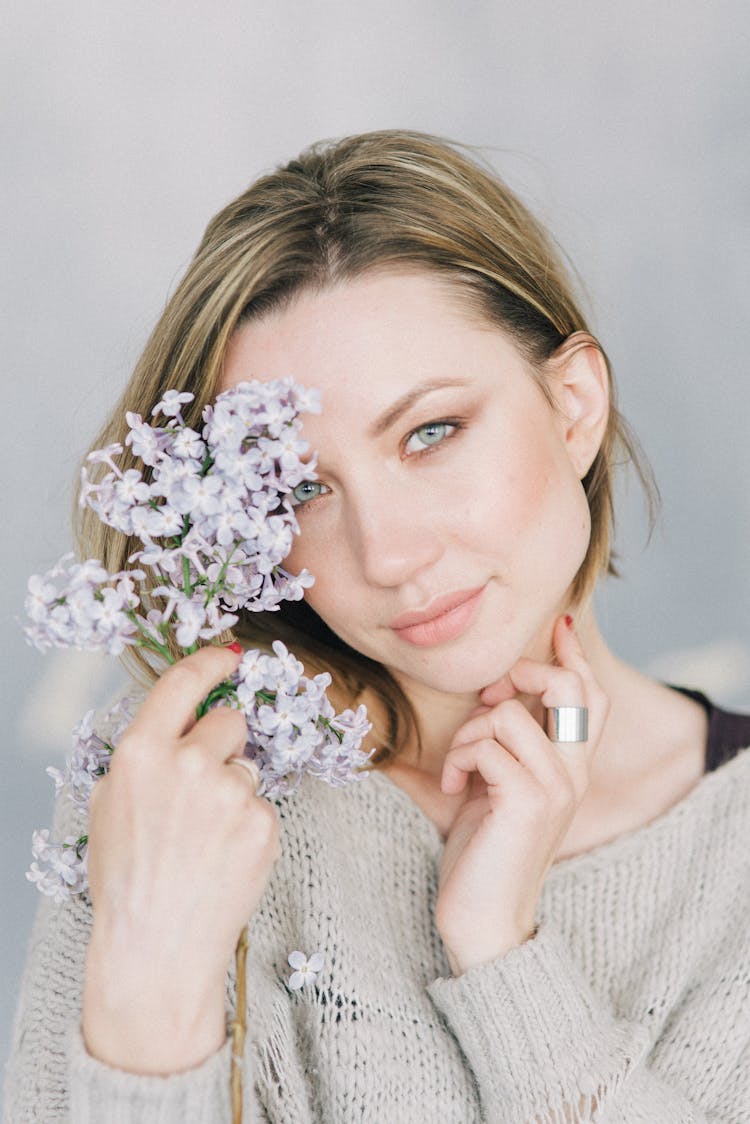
(452, 671)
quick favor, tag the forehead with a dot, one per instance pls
(380, 332)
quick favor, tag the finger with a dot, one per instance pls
(496, 768)
(222, 732)
(568, 649)
(169, 708)
(498, 691)
(510, 719)
(564, 687)
(529, 676)
(555, 686)
(516, 732)
(249, 768)
(570, 655)
(560, 684)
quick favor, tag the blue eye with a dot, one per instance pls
(307, 490)
(427, 436)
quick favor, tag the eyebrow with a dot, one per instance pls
(402, 404)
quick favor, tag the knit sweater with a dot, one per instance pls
(634, 994)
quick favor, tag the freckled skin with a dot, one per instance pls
(496, 503)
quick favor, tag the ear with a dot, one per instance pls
(578, 379)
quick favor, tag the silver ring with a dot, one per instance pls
(249, 766)
(568, 723)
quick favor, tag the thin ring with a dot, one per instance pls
(568, 723)
(249, 766)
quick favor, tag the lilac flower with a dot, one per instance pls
(305, 969)
(80, 605)
(215, 519)
(197, 619)
(89, 755)
(292, 727)
(106, 456)
(66, 866)
(291, 587)
(163, 521)
(229, 487)
(130, 489)
(188, 446)
(198, 495)
(41, 596)
(146, 442)
(171, 403)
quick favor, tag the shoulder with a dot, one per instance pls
(728, 730)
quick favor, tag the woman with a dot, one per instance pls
(535, 907)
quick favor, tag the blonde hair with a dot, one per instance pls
(386, 199)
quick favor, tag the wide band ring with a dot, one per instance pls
(568, 723)
(249, 766)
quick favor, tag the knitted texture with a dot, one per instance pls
(631, 1003)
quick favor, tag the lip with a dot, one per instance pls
(445, 618)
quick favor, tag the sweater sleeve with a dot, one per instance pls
(544, 1049)
(51, 1077)
(99, 1093)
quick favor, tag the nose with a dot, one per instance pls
(394, 537)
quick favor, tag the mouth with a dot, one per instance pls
(444, 619)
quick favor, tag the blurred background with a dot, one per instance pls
(126, 126)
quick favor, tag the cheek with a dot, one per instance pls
(321, 555)
(512, 498)
(314, 544)
(561, 530)
(538, 513)
(328, 597)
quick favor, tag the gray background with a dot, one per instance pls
(625, 126)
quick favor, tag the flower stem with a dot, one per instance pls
(239, 1026)
(187, 587)
(224, 690)
(147, 639)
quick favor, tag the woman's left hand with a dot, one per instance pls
(525, 791)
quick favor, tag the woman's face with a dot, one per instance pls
(447, 521)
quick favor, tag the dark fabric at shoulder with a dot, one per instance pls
(728, 731)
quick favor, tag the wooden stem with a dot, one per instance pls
(239, 1026)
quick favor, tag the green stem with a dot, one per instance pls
(149, 641)
(218, 585)
(80, 842)
(224, 690)
(187, 588)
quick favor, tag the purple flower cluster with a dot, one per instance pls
(81, 605)
(292, 727)
(64, 865)
(65, 869)
(214, 514)
(89, 755)
(215, 519)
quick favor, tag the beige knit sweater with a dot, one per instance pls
(634, 994)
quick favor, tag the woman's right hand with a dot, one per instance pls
(180, 851)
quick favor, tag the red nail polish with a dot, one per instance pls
(236, 647)
(569, 620)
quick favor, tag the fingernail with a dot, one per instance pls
(236, 647)
(569, 621)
